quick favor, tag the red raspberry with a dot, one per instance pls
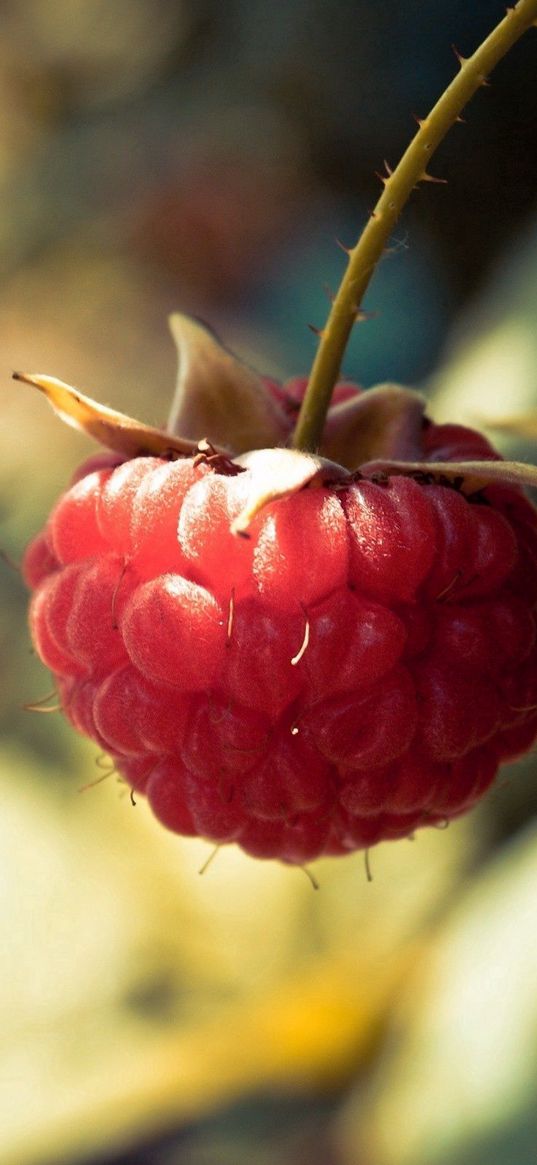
(356, 668)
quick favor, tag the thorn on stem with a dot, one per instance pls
(316, 331)
(462, 60)
(342, 247)
(361, 316)
(426, 177)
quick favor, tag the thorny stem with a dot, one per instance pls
(398, 186)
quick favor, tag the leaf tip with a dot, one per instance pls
(26, 378)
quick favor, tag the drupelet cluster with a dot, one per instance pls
(356, 667)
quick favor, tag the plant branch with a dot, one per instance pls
(398, 186)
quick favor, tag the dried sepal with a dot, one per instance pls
(277, 473)
(468, 476)
(114, 430)
(217, 396)
(385, 421)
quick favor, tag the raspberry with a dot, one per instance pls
(300, 653)
(356, 668)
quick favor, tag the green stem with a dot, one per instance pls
(398, 186)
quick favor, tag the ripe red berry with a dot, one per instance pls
(303, 654)
(359, 666)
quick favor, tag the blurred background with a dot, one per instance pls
(204, 157)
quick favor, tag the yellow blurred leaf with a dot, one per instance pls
(461, 1071)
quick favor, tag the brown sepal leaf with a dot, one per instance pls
(468, 476)
(277, 473)
(217, 396)
(385, 421)
(114, 430)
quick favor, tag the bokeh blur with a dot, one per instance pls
(204, 156)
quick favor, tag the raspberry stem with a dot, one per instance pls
(398, 186)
